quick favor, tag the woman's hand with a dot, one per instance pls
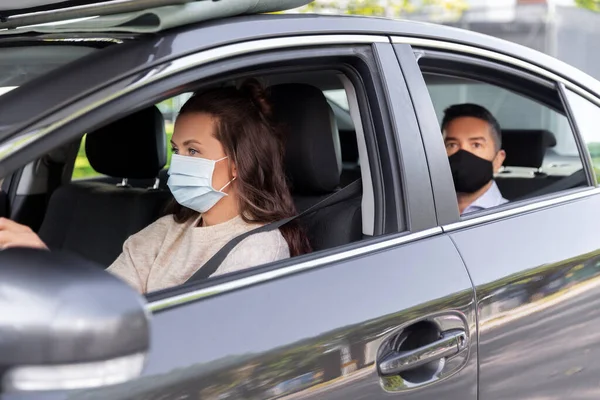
(13, 234)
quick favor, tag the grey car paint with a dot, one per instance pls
(246, 343)
(342, 306)
(536, 277)
(537, 289)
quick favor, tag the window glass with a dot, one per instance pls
(169, 108)
(83, 169)
(338, 96)
(21, 64)
(586, 116)
(512, 110)
(529, 166)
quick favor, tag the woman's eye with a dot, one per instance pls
(175, 151)
(193, 152)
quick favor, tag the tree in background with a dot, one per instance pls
(593, 5)
(387, 8)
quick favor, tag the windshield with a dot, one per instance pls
(19, 65)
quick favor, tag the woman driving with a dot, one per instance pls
(227, 178)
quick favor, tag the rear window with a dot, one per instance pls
(513, 111)
(19, 65)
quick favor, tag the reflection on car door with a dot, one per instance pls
(536, 269)
(538, 288)
(315, 334)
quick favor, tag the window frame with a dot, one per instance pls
(441, 176)
(124, 96)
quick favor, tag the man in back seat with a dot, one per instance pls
(474, 146)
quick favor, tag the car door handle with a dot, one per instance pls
(451, 343)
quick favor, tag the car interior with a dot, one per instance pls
(92, 217)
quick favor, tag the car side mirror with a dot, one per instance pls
(66, 323)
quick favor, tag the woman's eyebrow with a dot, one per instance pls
(190, 141)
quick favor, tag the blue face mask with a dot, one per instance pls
(190, 181)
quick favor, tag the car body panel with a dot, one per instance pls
(316, 333)
(537, 280)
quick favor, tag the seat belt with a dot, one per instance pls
(575, 179)
(210, 267)
(55, 170)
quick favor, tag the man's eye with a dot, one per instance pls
(477, 145)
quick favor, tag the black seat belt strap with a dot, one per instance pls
(55, 170)
(577, 178)
(213, 263)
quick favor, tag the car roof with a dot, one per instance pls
(232, 30)
(117, 61)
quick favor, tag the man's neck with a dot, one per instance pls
(466, 199)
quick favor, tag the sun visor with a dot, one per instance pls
(90, 19)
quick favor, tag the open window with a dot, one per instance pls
(92, 215)
(542, 152)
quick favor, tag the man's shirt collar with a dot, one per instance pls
(491, 198)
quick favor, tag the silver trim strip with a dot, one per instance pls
(184, 63)
(467, 49)
(278, 273)
(589, 192)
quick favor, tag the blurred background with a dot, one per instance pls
(566, 29)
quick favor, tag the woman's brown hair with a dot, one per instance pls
(254, 142)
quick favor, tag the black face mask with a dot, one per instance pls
(470, 172)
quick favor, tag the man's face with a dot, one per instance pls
(475, 136)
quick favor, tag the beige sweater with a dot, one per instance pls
(166, 254)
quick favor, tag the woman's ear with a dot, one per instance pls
(233, 169)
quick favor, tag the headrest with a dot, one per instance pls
(132, 147)
(526, 148)
(313, 153)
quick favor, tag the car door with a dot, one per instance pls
(390, 316)
(534, 262)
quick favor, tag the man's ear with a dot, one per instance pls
(499, 160)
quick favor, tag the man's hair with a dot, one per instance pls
(475, 111)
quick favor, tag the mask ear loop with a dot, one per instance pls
(228, 183)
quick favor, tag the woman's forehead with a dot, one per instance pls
(198, 126)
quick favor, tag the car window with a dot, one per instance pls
(514, 112)
(586, 116)
(169, 108)
(337, 96)
(19, 65)
(527, 168)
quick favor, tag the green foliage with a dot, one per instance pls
(593, 5)
(389, 8)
